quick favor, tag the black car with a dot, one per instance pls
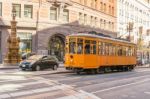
(39, 62)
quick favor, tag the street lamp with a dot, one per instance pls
(130, 29)
(14, 13)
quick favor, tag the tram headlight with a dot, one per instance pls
(71, 56)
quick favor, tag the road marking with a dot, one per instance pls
(81, 95)
(12, 78)
(68, 78)
(89, 94)
(147, 93)
(143, 70)
(121, 86)
(14, 87)
(122, 80)
(35, 91)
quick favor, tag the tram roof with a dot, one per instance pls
(102, 37)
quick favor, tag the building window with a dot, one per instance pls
(0, 9)
(80, 1)
(28, 11)
(105, 7)
(95, 22)
(85, 2)
(18, 9)
(25, 44)
(109, 9)
(101, 23)
(112, 26)
(96, 4)
(91, 21)
(91, 3)
(101, 6)
(104, 24)
(81, 18)
(53, 13)
(85, 19)
(66, 15)
(109, 25)
(112, 10)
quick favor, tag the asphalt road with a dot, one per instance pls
(119, 85)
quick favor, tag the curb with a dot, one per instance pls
(61, 72)
(3, 68)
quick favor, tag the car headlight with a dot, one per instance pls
(31, 64)
(23, 65)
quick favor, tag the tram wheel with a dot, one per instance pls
(93, 71)
(101, 70)
(78, 72)
(97, 71)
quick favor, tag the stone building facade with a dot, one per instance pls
(43, 24)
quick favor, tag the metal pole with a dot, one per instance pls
(37, 25)
(129, 35)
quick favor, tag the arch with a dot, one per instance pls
(56, 46)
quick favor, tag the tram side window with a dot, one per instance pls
(133, 52)
(80, 46)
(99, 48)
(87, 49)
(103, 48)
(120, 51)
(114, 50)
(123, 51)
(110, 49)
(127, 51)
(72, 47)
(93, 47)
(107, 49)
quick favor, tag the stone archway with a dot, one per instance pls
(57, 46)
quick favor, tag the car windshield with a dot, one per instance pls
(53, 58)
(35, 57)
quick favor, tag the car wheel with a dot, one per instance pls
(22, 69)
(37, 68)
(55, 67)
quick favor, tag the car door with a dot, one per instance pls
(44, 63)
(51, 62)
(47, 62)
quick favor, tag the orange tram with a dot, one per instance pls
(97, 54)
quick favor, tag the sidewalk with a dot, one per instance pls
(144, 66)
(8, 67)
